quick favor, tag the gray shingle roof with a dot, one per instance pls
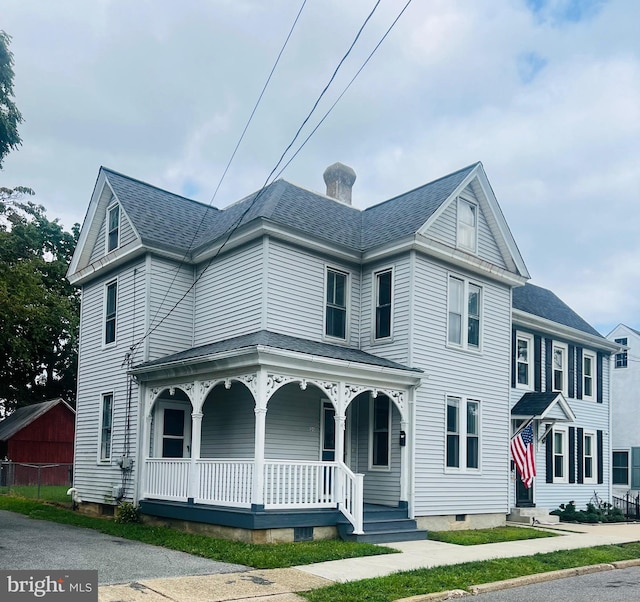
(24, 416)
(533, 404)
(545, 304)
(266, 338)
(171, 221)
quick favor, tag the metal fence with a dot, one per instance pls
(32, 479)
(629, 505)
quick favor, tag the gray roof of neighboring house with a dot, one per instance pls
(545, 304)
(266, 338)
(171, 221)
(24, 416)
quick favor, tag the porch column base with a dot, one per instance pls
(257, 507)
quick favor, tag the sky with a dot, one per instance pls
(545, 93)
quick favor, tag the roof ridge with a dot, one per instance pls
(143, 183)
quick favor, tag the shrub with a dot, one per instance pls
(603, 513)
(126, 513)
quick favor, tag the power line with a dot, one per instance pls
(236, 224)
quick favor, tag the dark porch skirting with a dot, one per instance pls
(241, 518)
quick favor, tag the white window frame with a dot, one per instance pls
(110, 208)
(622, 358)
(589, 355)
(376, 299)
(105, 316)
(379, 467)
(347, 293)
(594, 457)
(565, 367)
(525, 336)
(462, 227)
(613, 466)
(565, 454)
(463, 434)
(105, 459)
(465, 316)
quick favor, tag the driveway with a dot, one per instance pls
(26, 543)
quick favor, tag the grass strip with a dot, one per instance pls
(462, 576)
(261, 556)
(476, 537)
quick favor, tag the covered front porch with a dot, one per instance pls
(271, 438)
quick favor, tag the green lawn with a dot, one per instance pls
(462, 576)
(48, 493)
(473, 537)
(263, 556)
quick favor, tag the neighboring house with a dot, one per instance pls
(560, 381)
(41, 433)
(292, 363)
(625, 386)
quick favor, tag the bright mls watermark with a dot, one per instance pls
(72, 586)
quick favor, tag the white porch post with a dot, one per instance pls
(260, 409)
(340, 421)
(196, 437)
(404, 463)
(146, 453)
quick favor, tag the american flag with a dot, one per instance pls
(523, 454)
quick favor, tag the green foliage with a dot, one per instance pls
(601, 513)
(127, 513)
(10, 117)
(39, 309)
(473, 537)
(262, 556)
(48, 493)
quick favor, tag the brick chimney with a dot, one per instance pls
(339, 179)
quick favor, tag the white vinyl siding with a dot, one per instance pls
(229, 296)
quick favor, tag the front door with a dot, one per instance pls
(524, 495)
(175, 431)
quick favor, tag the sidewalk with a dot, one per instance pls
(280, 585)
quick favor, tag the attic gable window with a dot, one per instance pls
(467, 225)
(336, 305)
(113, 228)
(621, 358)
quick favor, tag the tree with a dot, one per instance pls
(10, 117)
(39, 309)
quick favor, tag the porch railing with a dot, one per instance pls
(167, 478)
(289, 484)
(225, 482)
(351, 497)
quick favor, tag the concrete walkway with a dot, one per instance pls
(280, 585)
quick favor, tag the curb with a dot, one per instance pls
(484, 588)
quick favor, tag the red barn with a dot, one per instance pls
(39, 433)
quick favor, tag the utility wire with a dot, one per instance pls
(233, 154)
(261, 191)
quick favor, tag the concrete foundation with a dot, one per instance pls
(460, 522)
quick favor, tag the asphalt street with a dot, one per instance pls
(26, 543)
(620, 585)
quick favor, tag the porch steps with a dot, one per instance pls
(383, 524)
(532, 516)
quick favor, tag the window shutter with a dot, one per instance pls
(580, 455)
(579, 373)
(600, 457)
(572, 371)
(548, 359)
(514, 351)
(572, 454)
(537, 362)
(599, 377)
(549, 451)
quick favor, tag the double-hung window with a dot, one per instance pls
(559, 368)
(560, 454)
(588, 375)
(620, 468)
(380, 432)
(336, 304)
(463, 433)
(524, 360)
(465, 306)
(106, 423)
(589, 453)
(113, 228)
(621, 358)
(111, 301)
(467, 225)
(384, 286)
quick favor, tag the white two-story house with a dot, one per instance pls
(291, 366)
